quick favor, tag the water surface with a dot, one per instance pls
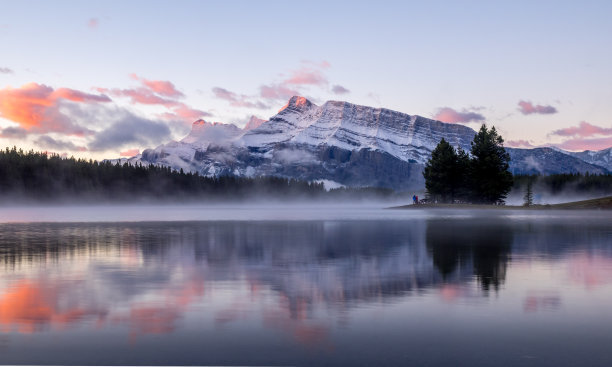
(263, 286)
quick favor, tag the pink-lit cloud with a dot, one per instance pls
(36, 107)
(236, 100)
(306, 76)
(338, 89)
(187, 113)
(129, 153)
(161, 87)
(447, 114)
(93, 23)
(585, 136)
(521, 143)
(580, 144)
(277, 92)
(528, 108)
(141, 96)
(160, 93)
(584, 129)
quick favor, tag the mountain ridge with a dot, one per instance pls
(337, 141)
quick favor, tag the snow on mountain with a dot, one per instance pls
(601, 158)
(548, 161)
(345, 143)
(254, 123)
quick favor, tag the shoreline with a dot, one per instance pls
(604, 203)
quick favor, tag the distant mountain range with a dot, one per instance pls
(342, 143)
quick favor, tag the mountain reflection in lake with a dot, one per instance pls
(487, 290)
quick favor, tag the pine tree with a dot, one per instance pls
(489, 176)
(442, 176)
(528, 198)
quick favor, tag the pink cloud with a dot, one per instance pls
(161, 87)
(130, 153)
(447, 114)
(338, 89)
(519, 144)
(78, 96)
(528, 108)
(142, 96)
(306, 76)
(580, 144)
(36, 107)
(185, 112)
(236, 100)
(584, 129)
(277, 91)
(93, 23)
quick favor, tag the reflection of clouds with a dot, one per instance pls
(299, 277)
(28, 307)
(590, 270)
(542, 301)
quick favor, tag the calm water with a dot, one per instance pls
(312, 287)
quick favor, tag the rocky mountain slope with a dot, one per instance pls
(338, 141)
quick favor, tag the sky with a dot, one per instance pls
(103, 79)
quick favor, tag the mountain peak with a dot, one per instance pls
(297, 103)
(254, 123)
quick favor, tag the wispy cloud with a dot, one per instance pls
(36, 107)
(528, 108)
(277, 92)
(519, 143)
(129, 131)
(447, 114)
(158, 92)
(6, 70)
(584, 129)
(93, 23)
(161, 87)
(338, 89)
(306, 75)
(13, 133)
(47, 142)
(585, 136)
(236, 100)
(580, 144)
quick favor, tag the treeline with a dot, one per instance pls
(482, 176)
(575, 183)
(39, 176)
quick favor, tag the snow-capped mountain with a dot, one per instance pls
(338, 141)
(601, 158)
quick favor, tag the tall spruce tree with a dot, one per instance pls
(490, 180)
(441, 173)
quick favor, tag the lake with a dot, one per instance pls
(310, 286)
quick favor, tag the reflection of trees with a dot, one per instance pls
(484, 244)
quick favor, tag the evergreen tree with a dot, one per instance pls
(490, 180)
(442, 175)
(528, 198)
(463, 192)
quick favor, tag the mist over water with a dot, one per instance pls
(306, 286)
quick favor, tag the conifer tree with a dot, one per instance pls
(490, 180)
(442, 176)
(528, 198)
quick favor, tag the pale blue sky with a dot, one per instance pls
(481, 57)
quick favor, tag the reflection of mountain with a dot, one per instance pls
(484, 246)
(148, 275)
